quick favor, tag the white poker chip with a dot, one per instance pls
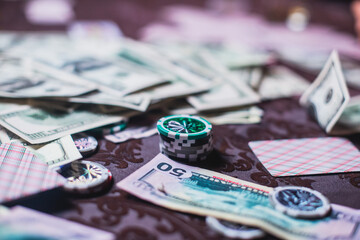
(300, 202)
(86, 177)
(85, 144)
(234, 230)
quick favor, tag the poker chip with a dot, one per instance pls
(300, 202)
(234, 230)
(86, 177)
(185, 138)
(85, 144)
(184, 127)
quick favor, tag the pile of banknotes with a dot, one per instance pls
(52, 86)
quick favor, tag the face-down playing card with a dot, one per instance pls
(307, 156)
(23, 174)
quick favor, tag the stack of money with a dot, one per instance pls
(65, 86)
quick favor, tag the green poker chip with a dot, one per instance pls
(184, 127)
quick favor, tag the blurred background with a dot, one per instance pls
(133, 15)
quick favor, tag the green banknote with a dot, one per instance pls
(55, 153)
(229, 92)
(349, 121)
(25, 78)
(327, 96)
(182, 81)
(198, 191)
(37, 125)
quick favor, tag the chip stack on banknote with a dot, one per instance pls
(185, 138)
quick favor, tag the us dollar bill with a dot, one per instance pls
(138, 103)
(281, 82)
(182, 79)
(349, 121)
(37, 125)
(55, 153)
(116, 76)
(246, 115)
(327, 96)
(131, 133)
(229, 92)
(25, 78)
(198, 191)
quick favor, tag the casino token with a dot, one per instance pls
(234, 230)
(185, 148)
(184, 127)
(177, 145)
(86, 177)
(300, 202)
(203, 150)
(85, 144)
(186, 142)
(170, 147)
(184, 157)
(186, 160)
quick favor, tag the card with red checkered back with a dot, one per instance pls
(307, 156)
(23, 174)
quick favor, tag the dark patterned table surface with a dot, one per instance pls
(131, 218)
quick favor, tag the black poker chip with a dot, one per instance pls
(86, 144)
(85, 177)
(300, 202)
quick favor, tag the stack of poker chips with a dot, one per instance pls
(185, 138)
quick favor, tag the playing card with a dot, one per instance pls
(307, 156)
(25, 223)
(23, 174)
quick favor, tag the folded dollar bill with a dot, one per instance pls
(327, 96)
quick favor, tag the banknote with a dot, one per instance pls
(281, 82)
(349, 121)
(352, 77)
(121, 77)
(138, 103)
(252, 76)
(55, 153)
(232, 56)
(116, 76)
(25, 78)
(228, 93)
(198, 191)
(37, 125)
(249, 115)
(131, 133)
(182, 82)
(246, 115)
(26, 223)
(239, 115)
(327, 96)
